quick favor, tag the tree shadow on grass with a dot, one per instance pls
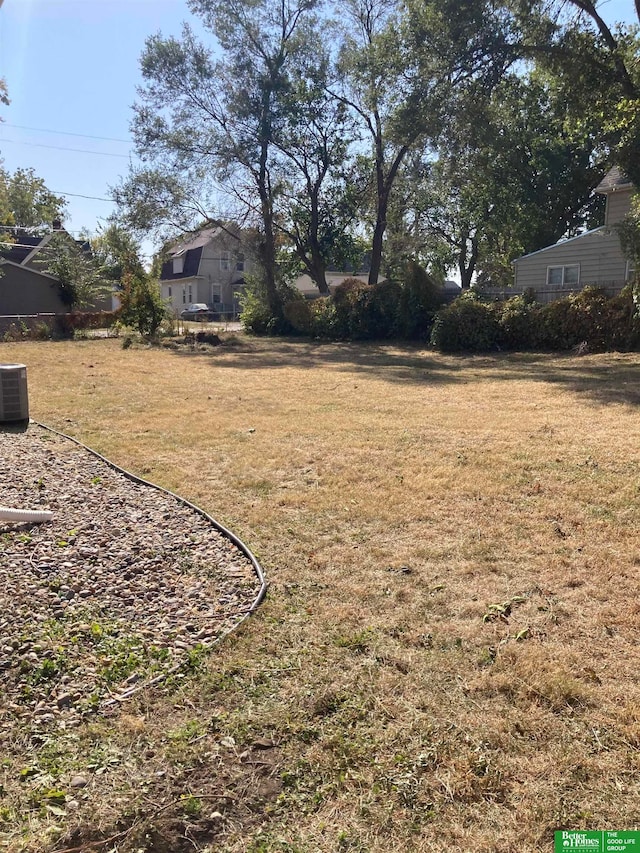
(394, 363)
(605, 379)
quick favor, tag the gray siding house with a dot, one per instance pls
(209, 267)
(592, 258)
(25, 288)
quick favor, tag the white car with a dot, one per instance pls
(196, 311)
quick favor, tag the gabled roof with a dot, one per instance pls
(18, 251)
(27, 244)
(614, 180)
(562, 243)
(190, 247)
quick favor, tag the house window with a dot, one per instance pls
(240, 262)
(224, 262)
(565, 276)
(631, 271)
(169, 292)
(178, 265)
(190, 295)
(184, 295)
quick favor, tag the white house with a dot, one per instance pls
(208, 266)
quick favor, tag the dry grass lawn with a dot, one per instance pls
(448, 657)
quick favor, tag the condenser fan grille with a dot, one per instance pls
(14, 401)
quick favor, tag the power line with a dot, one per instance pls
(63, 148)
(78, 195)
(66, 133)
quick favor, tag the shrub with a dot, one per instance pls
(520, 322)
(420, 297)
(324, 318)
(588, 317)
(364, 311)
(256, 315)
(142, 306)
(298, 314)
(467, 324)
(67, 324)
(624, 321)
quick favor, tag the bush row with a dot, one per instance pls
(356, 310)
(589, 318)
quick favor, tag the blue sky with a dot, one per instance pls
(72, 66)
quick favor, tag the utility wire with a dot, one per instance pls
(63, 148)
(66, 133)
(78, 195)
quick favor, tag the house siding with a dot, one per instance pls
(618, 205)
(598, 253)
(23, 291)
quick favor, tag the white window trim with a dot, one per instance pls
(630, 271)
(225, 262)
(564, 268)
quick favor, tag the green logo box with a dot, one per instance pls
(623, 841)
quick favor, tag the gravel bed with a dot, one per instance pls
(122, 585)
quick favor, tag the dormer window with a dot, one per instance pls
(178, 265)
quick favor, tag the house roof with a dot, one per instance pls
(190, 247)
(563, 243)
(25, 242)
(614, 180)
(190, 266)
(199, 239)
(18, 251)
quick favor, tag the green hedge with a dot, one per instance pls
(360, 311)
(590, 317)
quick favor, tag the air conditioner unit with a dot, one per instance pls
(14, 400)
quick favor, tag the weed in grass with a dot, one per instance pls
(191, 806)
(358, 641)
(189, 731)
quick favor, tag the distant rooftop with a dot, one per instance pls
(613, 180)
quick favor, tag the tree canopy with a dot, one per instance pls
(457, 133)
(26, 202)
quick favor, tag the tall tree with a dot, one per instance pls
(515, 175)
(26, 202)
(371, 63)
(201, 119)
(318, 204)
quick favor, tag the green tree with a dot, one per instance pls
(381, 97)
(141, 305)
(203, 125)
(26, 202)
(514, 175)
(117, 252)
(81, 280)
(317, 204)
